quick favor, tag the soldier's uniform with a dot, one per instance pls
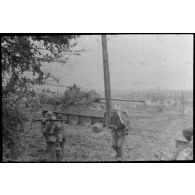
(51, 131)
(119, 131)
(185, 151)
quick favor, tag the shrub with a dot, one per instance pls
(17, 115)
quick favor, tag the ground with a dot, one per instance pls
(152, 137)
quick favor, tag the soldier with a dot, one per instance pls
(119, 131)
(185, 152)
(49, 134)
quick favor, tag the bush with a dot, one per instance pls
(20, 137)
(17, 115)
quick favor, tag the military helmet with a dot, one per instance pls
(49, 114)
(188, 133)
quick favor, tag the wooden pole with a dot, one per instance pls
(106, 79)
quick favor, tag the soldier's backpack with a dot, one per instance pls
(117, 120)
(59, 131)
(58, 127)
(125, 118)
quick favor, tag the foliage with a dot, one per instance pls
(23, 54)
(69, 97)
(22, 58)
(17, 114)
(49, 97)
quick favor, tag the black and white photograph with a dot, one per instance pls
(97, 97)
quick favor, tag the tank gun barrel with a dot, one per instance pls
(125, 100)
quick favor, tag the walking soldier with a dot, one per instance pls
(120, 129)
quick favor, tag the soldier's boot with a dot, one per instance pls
(119, 152)
(52, 153)
(114, 147)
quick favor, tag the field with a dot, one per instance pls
(155, 126)
(152, 137)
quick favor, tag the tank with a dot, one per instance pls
(82, 114)
(76, 115)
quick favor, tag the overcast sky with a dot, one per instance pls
(136, 62)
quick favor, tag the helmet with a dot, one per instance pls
(49, 114)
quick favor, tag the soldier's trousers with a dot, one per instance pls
(51, 150)
(60, 152)
(117, 144)
(55, 151)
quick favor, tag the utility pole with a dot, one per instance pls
(106, 80)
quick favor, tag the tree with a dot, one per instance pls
(25, 54)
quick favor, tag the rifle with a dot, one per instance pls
(44, 120)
